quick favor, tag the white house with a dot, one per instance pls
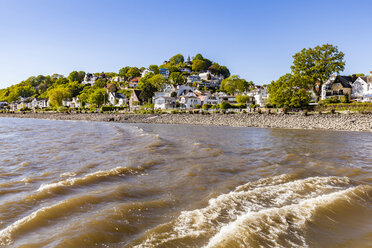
(225, 97)
(361, 89)
(145, 71)
(72, 103)
(39, 103)
(117, 99)
(212, 99)
(89, 79)
(164, 102)
(184, 89)
(189, 100)
(118, 79)
(261, 96)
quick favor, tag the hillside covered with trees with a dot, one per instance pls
(57, 87)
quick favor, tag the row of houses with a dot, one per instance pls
(357, 88)
(187, 97)
(206, 78)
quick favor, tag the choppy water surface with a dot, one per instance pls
(86, 184)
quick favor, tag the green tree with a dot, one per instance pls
(177, 59)
(123, 71)
(98, 97)
(133, 72)
(289, 91)
(147, 92)
(176, 78)
(100, 83)
(75, 88)
(154, 68)
(158, 81)
(198, 65)
(76, 76)
(57, 95)
(242, 99)
(235, 84)
(198, 57)
(316, 65)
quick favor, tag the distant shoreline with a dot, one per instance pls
(341, 122)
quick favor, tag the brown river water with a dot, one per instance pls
(94, 184)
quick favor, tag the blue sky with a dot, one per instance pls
(254, 39)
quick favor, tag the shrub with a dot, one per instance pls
(333, 111)
(197, 106)
(111, 108)
(259, 111)
(206, 106)
(24, 109)
(285, 110)
(225, 105)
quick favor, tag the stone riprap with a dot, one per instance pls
(342, 122)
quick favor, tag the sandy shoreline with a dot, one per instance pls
(342, 122)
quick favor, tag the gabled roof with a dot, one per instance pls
(345, 81)
(137, 94)
(136, 79)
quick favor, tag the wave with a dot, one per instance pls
(91, 178)
(271, 212)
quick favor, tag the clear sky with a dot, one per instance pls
(254, 39)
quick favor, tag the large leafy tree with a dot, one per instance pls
(176, 78)
(148, 91)
(57, 95)
(217, 69)
(235, 84)
(76, 76)
(123, 71)
(98, 97)
(133, 72)
(198, 65)
(158, 81)
(177, 59)
(316, 65)
(289, 91)
(154, 68)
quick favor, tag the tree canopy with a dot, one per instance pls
(177, 59)
(57, 95)
(235, 84)
(316, 65)
(289, 91)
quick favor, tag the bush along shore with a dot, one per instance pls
(304, 120)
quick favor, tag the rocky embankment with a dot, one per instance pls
(345, 122)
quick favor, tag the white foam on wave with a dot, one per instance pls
(89, 177)
(6, 235)
(226, 215)
(251, 223)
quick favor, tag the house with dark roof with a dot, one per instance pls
(117, 99)
(135, 99)
(336, 87)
